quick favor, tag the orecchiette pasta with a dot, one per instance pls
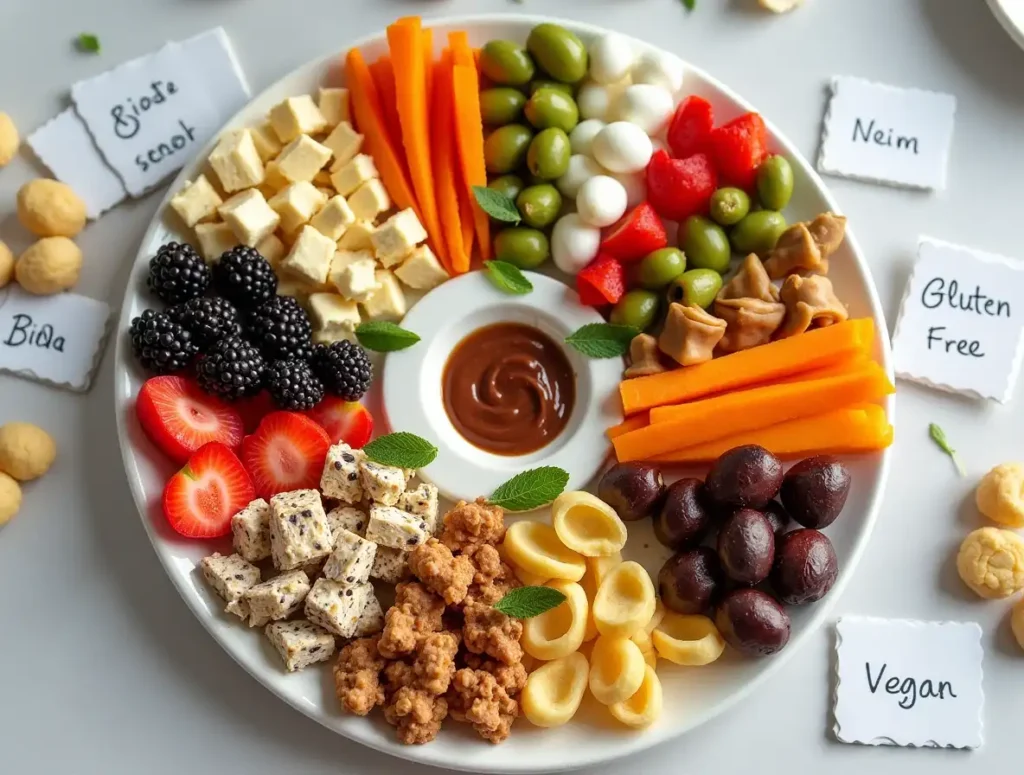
(616, 669)
(625, 600)
(659, 614)
(688, 640)
(536, 548)
(642, 638)
(553, 691)
(597, 569)
(529, 579)
(558, 632)
(588, 525)
(644, 707)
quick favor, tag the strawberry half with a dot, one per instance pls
(285, 453)
(201, 498)
(180, 418)
(347, 421)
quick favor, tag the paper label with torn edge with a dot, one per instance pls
(908, 683)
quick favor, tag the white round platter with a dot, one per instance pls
(692, 695)
(1010, 14)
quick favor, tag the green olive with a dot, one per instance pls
(697, 286)
(505, 148)
(501, 105)
(758, 232)
(541, 83)
(509, 185)
(729, 205)
(560, 53)
(539, 205)
(661, 267)
(705, 244)
(524, 247)
(506, 63)
(551, 107)
(774, 183)
(548, 156)
(638, 308)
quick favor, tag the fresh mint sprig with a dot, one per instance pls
(401, 450)
(939, 437)
(602, 340)
(507, 277)
(383, 336)
(530, 489)
(527, 602)
(497, 205)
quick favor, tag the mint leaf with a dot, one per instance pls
(496, 204)
(939, 437)
(530, 489)
(527, 602)
(507, 277)
(402, 450)
(384, 337)
(88, 43)
(602, 340)
(689, 5)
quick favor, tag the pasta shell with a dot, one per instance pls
(688, 640)
(554, 691)
(558, 632)
(644, 707)
(587, 525)
(616, 669)
(535, 548)
(625, 600)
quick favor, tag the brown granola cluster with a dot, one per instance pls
(445, 651)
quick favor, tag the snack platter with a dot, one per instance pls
(657, 535)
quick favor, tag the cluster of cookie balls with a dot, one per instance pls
(26, 453)
(52, 211)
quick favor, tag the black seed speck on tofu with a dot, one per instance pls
(317, 546)
(353, 476)
(347, 457)
(293, 519)
(307, 513)
(348, 593)
(238, 576)
(337, 465)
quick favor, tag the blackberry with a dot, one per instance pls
(177, 273)
(281, 329)
(244, 277)
(208, 320)
(161, 345)
(293, 385)
(232, 368)
(344, 368)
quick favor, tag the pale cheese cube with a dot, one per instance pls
(197, 201)
(351, 560)
(344, 142)
(371, 619)
(215, 239)
(392, 527)
(394, 239)
(336, 606)
(322, 180)
(354, 274)
(250, 531)
(274, 179)
(347, 518)
(278, 598)
(290, 286)
(357, 237)
(340, 478)
(333, 105)
(421, 270)
(236, 162)
(421, 502)
(299, 532)
(231, 577)
(381, 483)
(369, 200)
(296, 116)
(296, 205)
(333, 218)
(266, 141)
(352, 175)
(388, 301)
(271, 248)
(310, 256)
(249, 216)
(300, 643)
(334, 318)
(302, 158)
(390, 565)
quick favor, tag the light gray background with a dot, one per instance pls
(102, 667)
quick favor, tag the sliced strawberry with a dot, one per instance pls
(254, 408)
(602, 281)
(347, 421)
(637, 233)
(285, 453)
(679, 188)
(201, 498)
(738, 148)
(180, 418)
(690, 127)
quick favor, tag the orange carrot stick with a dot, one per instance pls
(633, 423)
(466, 214)
(469, 129)
(428, 65)
(383, 73)
(445, 163)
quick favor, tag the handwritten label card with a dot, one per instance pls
(54, 339)
(961, 321)
(886, 134)
(909, 683)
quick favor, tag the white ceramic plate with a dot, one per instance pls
(1010, 14)
(692, 696)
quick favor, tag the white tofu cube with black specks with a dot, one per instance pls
(344, 142)
(249, 216)
(272, 249)
(386, 302)
(277, 598)
(357, 237)
(299, 531)
(238, 608)
(333, 218)
(340, 478)
(382, 484)
(351, 560)
(421, 502)
(302, 158)
(369, 200)
(336, 606)
(300, 643)
(390, 565)
(334, 105)
(265, 139)
(215, 239)
(310, 256)
(371, 619)
(296, 203)
(250, 531)
(347, 518)
(236, 162)
(394, 239)
(354, 274)
(351, 176)
(197, 201)
(389, 526)
(421, 269)
(334, 318)
(230, 576)
(296, 116)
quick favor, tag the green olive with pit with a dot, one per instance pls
(501, 105)
(729, 206)
(548, 154)
(506, 147)
(638, 308)
(526, 248)
(552, 108)
(775, 183)
(705, 244)
(506, 63)
(758, 232)
(661, 267)
(509, 185)
(539, 205)
(696, 286)
(558, 52)
(541, 83)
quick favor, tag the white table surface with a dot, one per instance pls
(102, 667)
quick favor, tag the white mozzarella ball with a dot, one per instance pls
(595, 100)
(581, 169)
(648, 106)
(582, 135)
(574, 244)
(622, 147)
(660, 69)
(601, 201)
(635, 185)
(611, 58)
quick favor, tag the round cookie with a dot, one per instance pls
(49, 208)
(6, 264)
(51, 265)
(26, 450)
(991, 562)
(10, 497)
(9, 139)
(1000, 494)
